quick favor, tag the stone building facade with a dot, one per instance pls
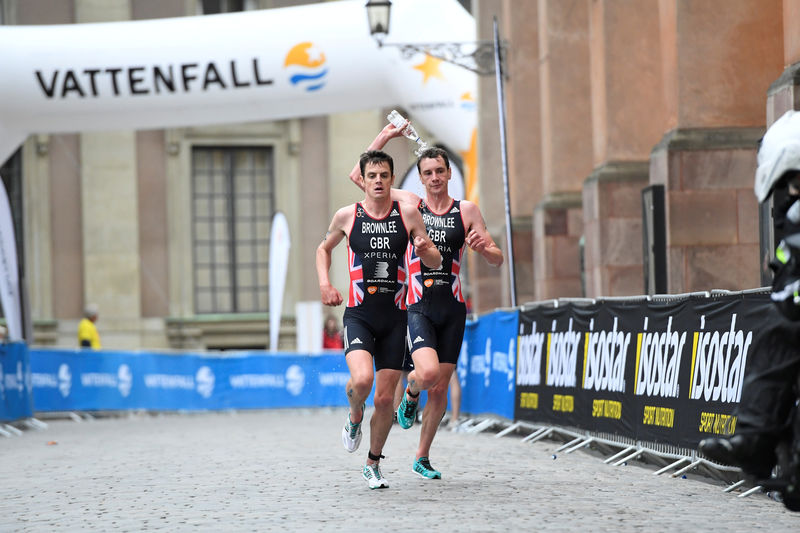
(604, 99)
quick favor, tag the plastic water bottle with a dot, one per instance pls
(397, 120)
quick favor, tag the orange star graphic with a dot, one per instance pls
(470, 158)
(430, 68)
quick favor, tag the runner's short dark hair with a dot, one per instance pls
(375, 156)
(433, 153)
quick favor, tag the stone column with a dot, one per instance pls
(566, 146)
(488, 287)
(783, 95)
(523, 122)
(627, 121)
(110, 225)
(714, 85)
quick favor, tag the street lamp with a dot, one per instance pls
(378, 12)
(476, 56)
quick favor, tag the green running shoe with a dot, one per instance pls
(406, 412)
(351, 433)
(422, 466)
(375, 480)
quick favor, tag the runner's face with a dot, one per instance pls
(378, 180)
(434, 175)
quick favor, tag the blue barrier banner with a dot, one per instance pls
(84, 380)
(487, 365)
(16, 399)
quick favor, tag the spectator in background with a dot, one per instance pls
(331, 336)
(87, 331)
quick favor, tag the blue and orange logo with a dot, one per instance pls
(467, 102)
(306, 65)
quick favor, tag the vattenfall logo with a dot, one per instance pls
(305, 64)
(102, 81)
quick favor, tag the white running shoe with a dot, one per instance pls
(375, 480)
(351, 435)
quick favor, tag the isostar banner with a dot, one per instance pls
(658, 372)
(268, 64)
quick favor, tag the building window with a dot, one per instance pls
(232, 207)
(213, 7)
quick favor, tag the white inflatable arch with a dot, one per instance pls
(270, 64)
(257, 65)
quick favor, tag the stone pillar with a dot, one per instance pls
(37, 227)
(625, 64)
(523, 125)
(612, 229)
(557, 225)
(714, 85)
(566, 146)
(52, 221)
(489, 287)
(110, 225)
(783, 95)
(313, 163)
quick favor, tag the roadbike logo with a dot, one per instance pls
(204, 380)
(305, 64)
(64, 380)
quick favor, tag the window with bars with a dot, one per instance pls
(232, 207)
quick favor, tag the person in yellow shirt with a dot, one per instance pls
(87, 331)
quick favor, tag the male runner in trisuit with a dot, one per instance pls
(377, 230)
(436, 308)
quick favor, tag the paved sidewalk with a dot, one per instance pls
(286, 470)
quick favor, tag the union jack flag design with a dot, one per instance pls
(455, 280)
(414, 267)
(356, 279)
(400, 294)
(375, 258)
(446, 229)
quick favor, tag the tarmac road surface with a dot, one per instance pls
(286, 470)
